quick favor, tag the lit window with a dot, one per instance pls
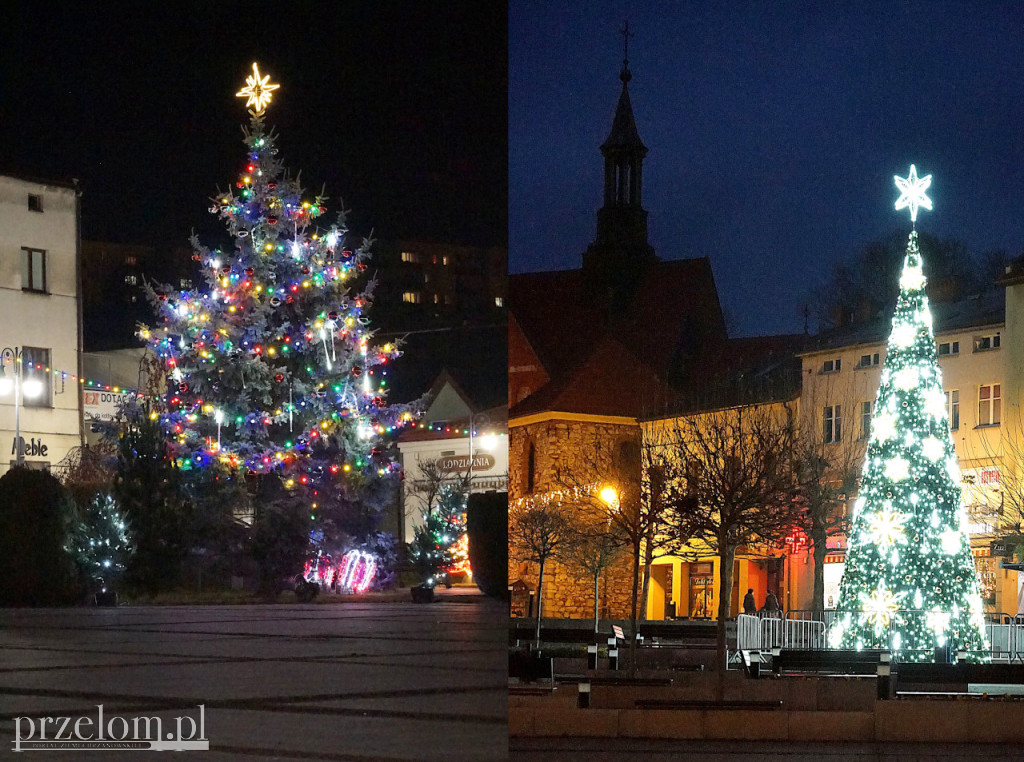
(35, 203)
(499, 302)
(410, 256)
(953, 408)
(989, 405)
(131, 279)
(832, 366)
(186, 283)
(985, 343)
(130, 260)
(33, 276)
(832, 424)
(865, 419)
(35, 370)
(411, 297)
(444, 259)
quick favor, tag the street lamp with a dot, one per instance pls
(487, 442)
(30, 388)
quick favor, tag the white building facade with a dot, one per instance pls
(449, 432)
(40, 320)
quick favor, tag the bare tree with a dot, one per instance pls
(610, 478)
(538, 531)
(728, 481)
(593, 545)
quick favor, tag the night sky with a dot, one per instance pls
(774, 132)
(398, 107)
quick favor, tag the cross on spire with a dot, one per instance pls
(625, 76)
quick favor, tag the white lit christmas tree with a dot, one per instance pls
(910, 582)
(273, 369)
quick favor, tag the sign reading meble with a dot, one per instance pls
(482, 461)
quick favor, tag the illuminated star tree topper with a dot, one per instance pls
(912, 192)
(258, 91)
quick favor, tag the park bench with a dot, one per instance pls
(698, 704)
(957, 678)
(678, 631)
(528, 668)
(833, 662)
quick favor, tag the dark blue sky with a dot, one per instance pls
(774, 132)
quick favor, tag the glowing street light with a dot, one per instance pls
(22, 388)
(609, 496)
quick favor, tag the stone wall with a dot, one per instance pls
(564, 446)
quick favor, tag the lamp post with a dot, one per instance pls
(14, 356)
(488, 443)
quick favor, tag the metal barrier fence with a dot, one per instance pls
(754, 633)
(799, 630)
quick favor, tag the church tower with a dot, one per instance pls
(613, 263)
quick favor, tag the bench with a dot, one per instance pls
(518, 633)
(955, 678)
(678, 631)
(833, 662)
(528, 668)
(696, 704)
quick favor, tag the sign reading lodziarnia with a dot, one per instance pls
(112, 733)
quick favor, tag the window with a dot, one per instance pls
(949, 348)
(185, 283)
(444, 259)
(832, 366)
(131, 260)
(131, 279)
(411, 297)
(35, 369)
(410, 256)
(985, 343)
(499, 302)
(866, 361)
(436, 298)
(35, 203)
(953, 408)
(832, 424)
(989, 405)
(449, 299)
(33, 276)
(865, 419)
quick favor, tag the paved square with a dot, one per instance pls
(347, 681)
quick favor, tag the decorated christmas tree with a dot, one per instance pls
(910, 583)
(273, 371)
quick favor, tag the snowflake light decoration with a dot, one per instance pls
(881, 606)
(887, 528)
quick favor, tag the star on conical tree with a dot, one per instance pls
(910, 582)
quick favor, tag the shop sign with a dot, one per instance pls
(482, 461)
(1002, 549)
(34, 448)
(103, 406)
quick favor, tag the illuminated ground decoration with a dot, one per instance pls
(910, 582)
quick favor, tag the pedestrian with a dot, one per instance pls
(749, 604)
(771, 604)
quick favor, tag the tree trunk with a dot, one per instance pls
(540, 601)
(819, 539)
(648, 558)
(632, 616)
(727, 555)
(597, 618)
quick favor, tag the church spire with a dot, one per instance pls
(623, 151)
(621, 242)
